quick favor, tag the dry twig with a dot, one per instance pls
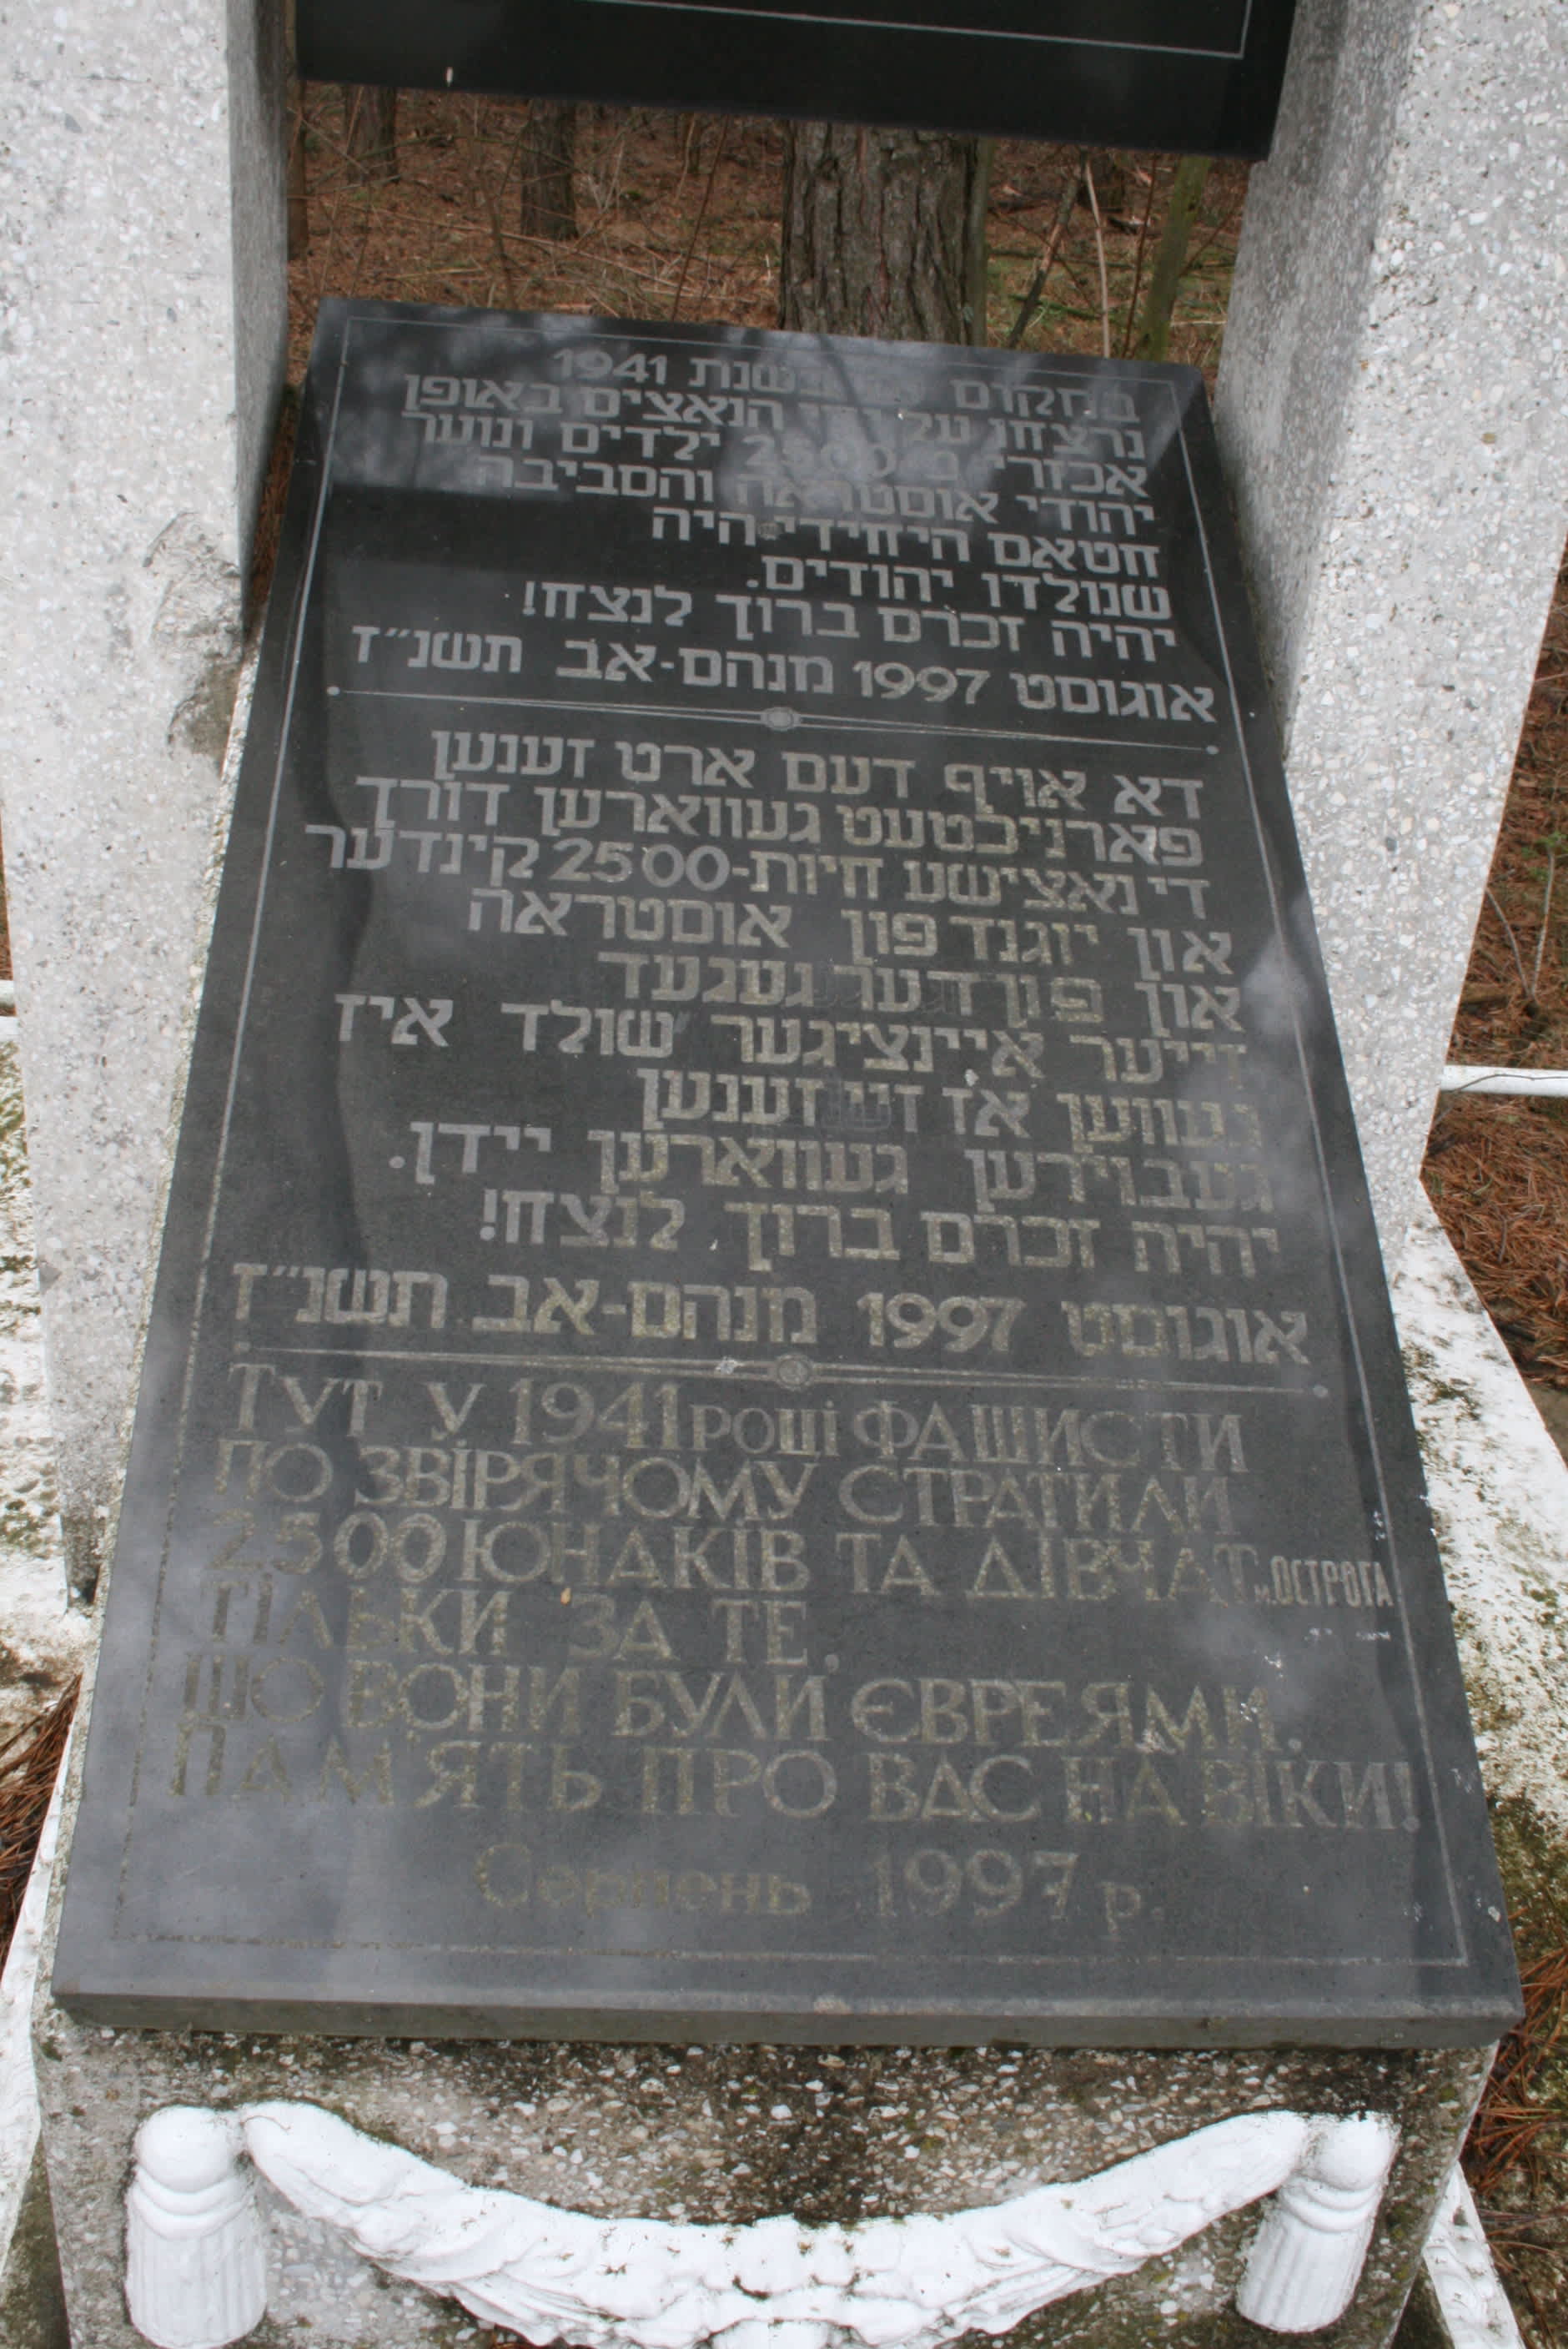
(1046, 263)
(1546, 922)
(1099, 256)
(1512, 943)
(701, 216)
(1138, 257)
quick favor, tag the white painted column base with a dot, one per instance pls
(1312, 2245)
(195, 2263)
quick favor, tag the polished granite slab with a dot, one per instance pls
(1198, 75)
(770, 1411)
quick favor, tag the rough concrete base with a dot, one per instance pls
(1423, 2325)
(736, 2134)
(1499, 1492)
(32, 2297)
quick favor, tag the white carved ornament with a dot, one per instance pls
(1460, 2265)
(196, 2267)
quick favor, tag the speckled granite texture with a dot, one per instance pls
(1391, 414)
(142, 311)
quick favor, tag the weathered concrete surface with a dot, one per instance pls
(1499, 1492)
(1391, 414)
(141, 335)
(32, 2299)
(42, 1637)
(734, 2133)
(27, 2275)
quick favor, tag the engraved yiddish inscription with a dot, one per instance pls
(770, 1408)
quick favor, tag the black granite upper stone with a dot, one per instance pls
(770, 1411)
(1200, 76)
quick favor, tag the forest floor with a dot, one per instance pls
(678, 214)
(678, 217)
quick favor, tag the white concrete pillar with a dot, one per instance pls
(142, 327)
(1395, 427)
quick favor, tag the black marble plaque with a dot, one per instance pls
(771, 1410)
(1199, 75)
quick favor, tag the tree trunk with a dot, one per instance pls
(883, 234)
(1165, 283)
(546, 158)
(370, 131)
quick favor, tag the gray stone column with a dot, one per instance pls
(1392, 415)
(142, 324)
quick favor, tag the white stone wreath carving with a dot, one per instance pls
(196, 2266)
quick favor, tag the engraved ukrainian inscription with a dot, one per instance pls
(775, 1389)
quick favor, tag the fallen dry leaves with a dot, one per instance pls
(29, 1763)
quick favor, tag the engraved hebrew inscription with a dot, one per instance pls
(772, 1404)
